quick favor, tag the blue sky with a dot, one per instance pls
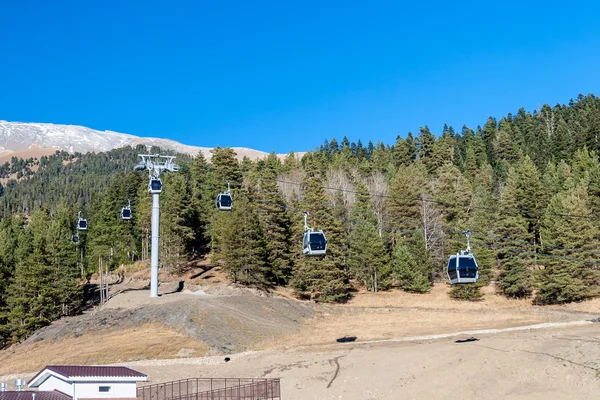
(277, 75)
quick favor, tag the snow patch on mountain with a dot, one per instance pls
(17, 136)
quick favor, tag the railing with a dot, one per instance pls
(213, 389)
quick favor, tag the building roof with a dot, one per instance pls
(72, 371)
(84, 372)
(28, 395)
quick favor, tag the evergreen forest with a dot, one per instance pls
(526, 185)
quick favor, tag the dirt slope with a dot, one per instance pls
(538, 364)
(225, 323)
(221, 320)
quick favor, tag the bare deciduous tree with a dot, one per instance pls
(336, 181)
(378, 189)
(548, 117)
(290, 184)
(431, 223)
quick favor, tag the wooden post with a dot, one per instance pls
(100, 276)
(106, 281)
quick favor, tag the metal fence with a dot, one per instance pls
(213, 389)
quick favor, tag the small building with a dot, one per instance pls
(84, 382)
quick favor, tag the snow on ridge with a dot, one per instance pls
(15, 136)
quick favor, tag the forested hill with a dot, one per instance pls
(526, 185)
(64, 177)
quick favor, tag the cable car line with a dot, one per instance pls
(420, 232)
(447, 229)
(515, 250)
(593, 217)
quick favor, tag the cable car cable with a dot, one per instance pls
(447, 229)
(594, 217)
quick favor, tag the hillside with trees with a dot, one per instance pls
(527, 186)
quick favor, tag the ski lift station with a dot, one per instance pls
(74, 382)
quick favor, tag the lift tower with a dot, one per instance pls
(155, 164)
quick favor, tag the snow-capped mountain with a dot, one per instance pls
(20, 136)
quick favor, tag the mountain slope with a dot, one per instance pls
(20, 136)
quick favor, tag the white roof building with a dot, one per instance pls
(83, 382)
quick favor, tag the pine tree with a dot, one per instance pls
(405, 151)
(570, 275)
(453, 193)
(178, 223)
(470, 163)
(225, 166)
(367, 259)
(481, 222)
(520, 213)
(11, 241)
(273, 214)
(31, 296)
(203, 201)
(442, 152)
(505, 148)
(411, 266)
(561, 141)
(320, 278)
(62, 258)
(290, 162)
(241, 246)
(488, 135)
(425, 145)
(403, 202)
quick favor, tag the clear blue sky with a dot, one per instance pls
(284, 75)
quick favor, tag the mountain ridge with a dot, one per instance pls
(18, 137)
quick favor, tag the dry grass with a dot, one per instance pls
(145, 342)
(395, 314)
(590, 306)
(387, 323)
(437, 298)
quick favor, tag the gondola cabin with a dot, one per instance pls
(224, 202)
(314, 243)
(82, 224)
(126, 213)
(462, 268)
(154, 186)
(75, 238)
